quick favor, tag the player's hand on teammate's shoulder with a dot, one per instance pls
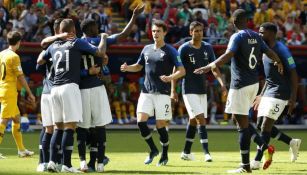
(257, 102)
(94, 70)
(202, 70)
(139, 9)
(280, 67)
(124, 67)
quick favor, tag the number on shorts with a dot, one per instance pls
(252, 58)
(276, 109)
(166, 108)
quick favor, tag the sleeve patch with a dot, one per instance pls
(179, 59)
(291, 61)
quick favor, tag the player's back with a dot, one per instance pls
(10, 70)
(248, 48)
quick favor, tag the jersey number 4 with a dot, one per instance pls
(252, 60)
(58, 57)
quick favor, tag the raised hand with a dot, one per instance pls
(138, 9)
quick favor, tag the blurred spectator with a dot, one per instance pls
(249, 7)
(293, 40)
(29, 20)
(5, 12)
(218, 6)
(280, 36)
(262, 15)
(304, 42)
(185, 13)
(303, 14)
(212, 34)
(290, 22)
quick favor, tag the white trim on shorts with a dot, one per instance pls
(196, 104)
(239, 101)
(95, 107)
(155, 104)
(271, 107)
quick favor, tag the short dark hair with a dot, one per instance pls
(195, 24)
(87, 24)
(67, 25)
(13, 38)
(159, 23)
(269, 26)
(56, 24)
(239, 17)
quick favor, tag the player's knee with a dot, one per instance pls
(49, 129)
(201, 119)
(193, 122)
(161, 123)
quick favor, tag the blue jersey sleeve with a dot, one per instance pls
(175, 57)
(211, 54)
(141, 60)
(112, 39)
(234, 41)
(264, 46)
(47, 54)
(286, 56)
(85, 46)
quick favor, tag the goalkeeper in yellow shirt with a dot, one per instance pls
(10, 72)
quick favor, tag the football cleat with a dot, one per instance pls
(163, 161)
(189, 157)
(208, 158)
(268, 154)
(25, 153)
(65, 169)
(294, 149)
(151, 156)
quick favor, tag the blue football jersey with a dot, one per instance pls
(278, 86)
(66, 58)
(248, 48)
(158, 62)
(193, 58)
(89, 60)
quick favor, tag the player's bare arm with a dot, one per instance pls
(220, 61)
(127, 30)
(40, 59)
(49, 40)
(272, 55)
(131, 68)
(294, 86)
(180, 72)
(217, 74)
(102, 46)
(258, 98)
(174, 95)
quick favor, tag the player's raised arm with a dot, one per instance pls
(127, 30)
(102, 47)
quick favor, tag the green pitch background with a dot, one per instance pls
(127, 151)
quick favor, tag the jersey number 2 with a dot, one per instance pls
(252, 59)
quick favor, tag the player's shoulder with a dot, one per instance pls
(170, 48)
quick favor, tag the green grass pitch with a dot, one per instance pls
(127, 151)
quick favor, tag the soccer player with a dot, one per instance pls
(66, 57)
(10, 73)
(95, 102)
(46, 105)
(276, 93)
(244, 49)
(158, 59)
(194, 54)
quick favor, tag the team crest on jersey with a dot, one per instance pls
(206, 55)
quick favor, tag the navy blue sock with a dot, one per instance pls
(244, 140)
(46, 146)
(145, 132)
(189, 138)
(256, 137)
(59, 156)
(67, 146)
(202, 131)
(276, 133)
(81, 139)
(53, 145)
(93, 148)
(164, 140)
(41, 158)
(101, 141)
